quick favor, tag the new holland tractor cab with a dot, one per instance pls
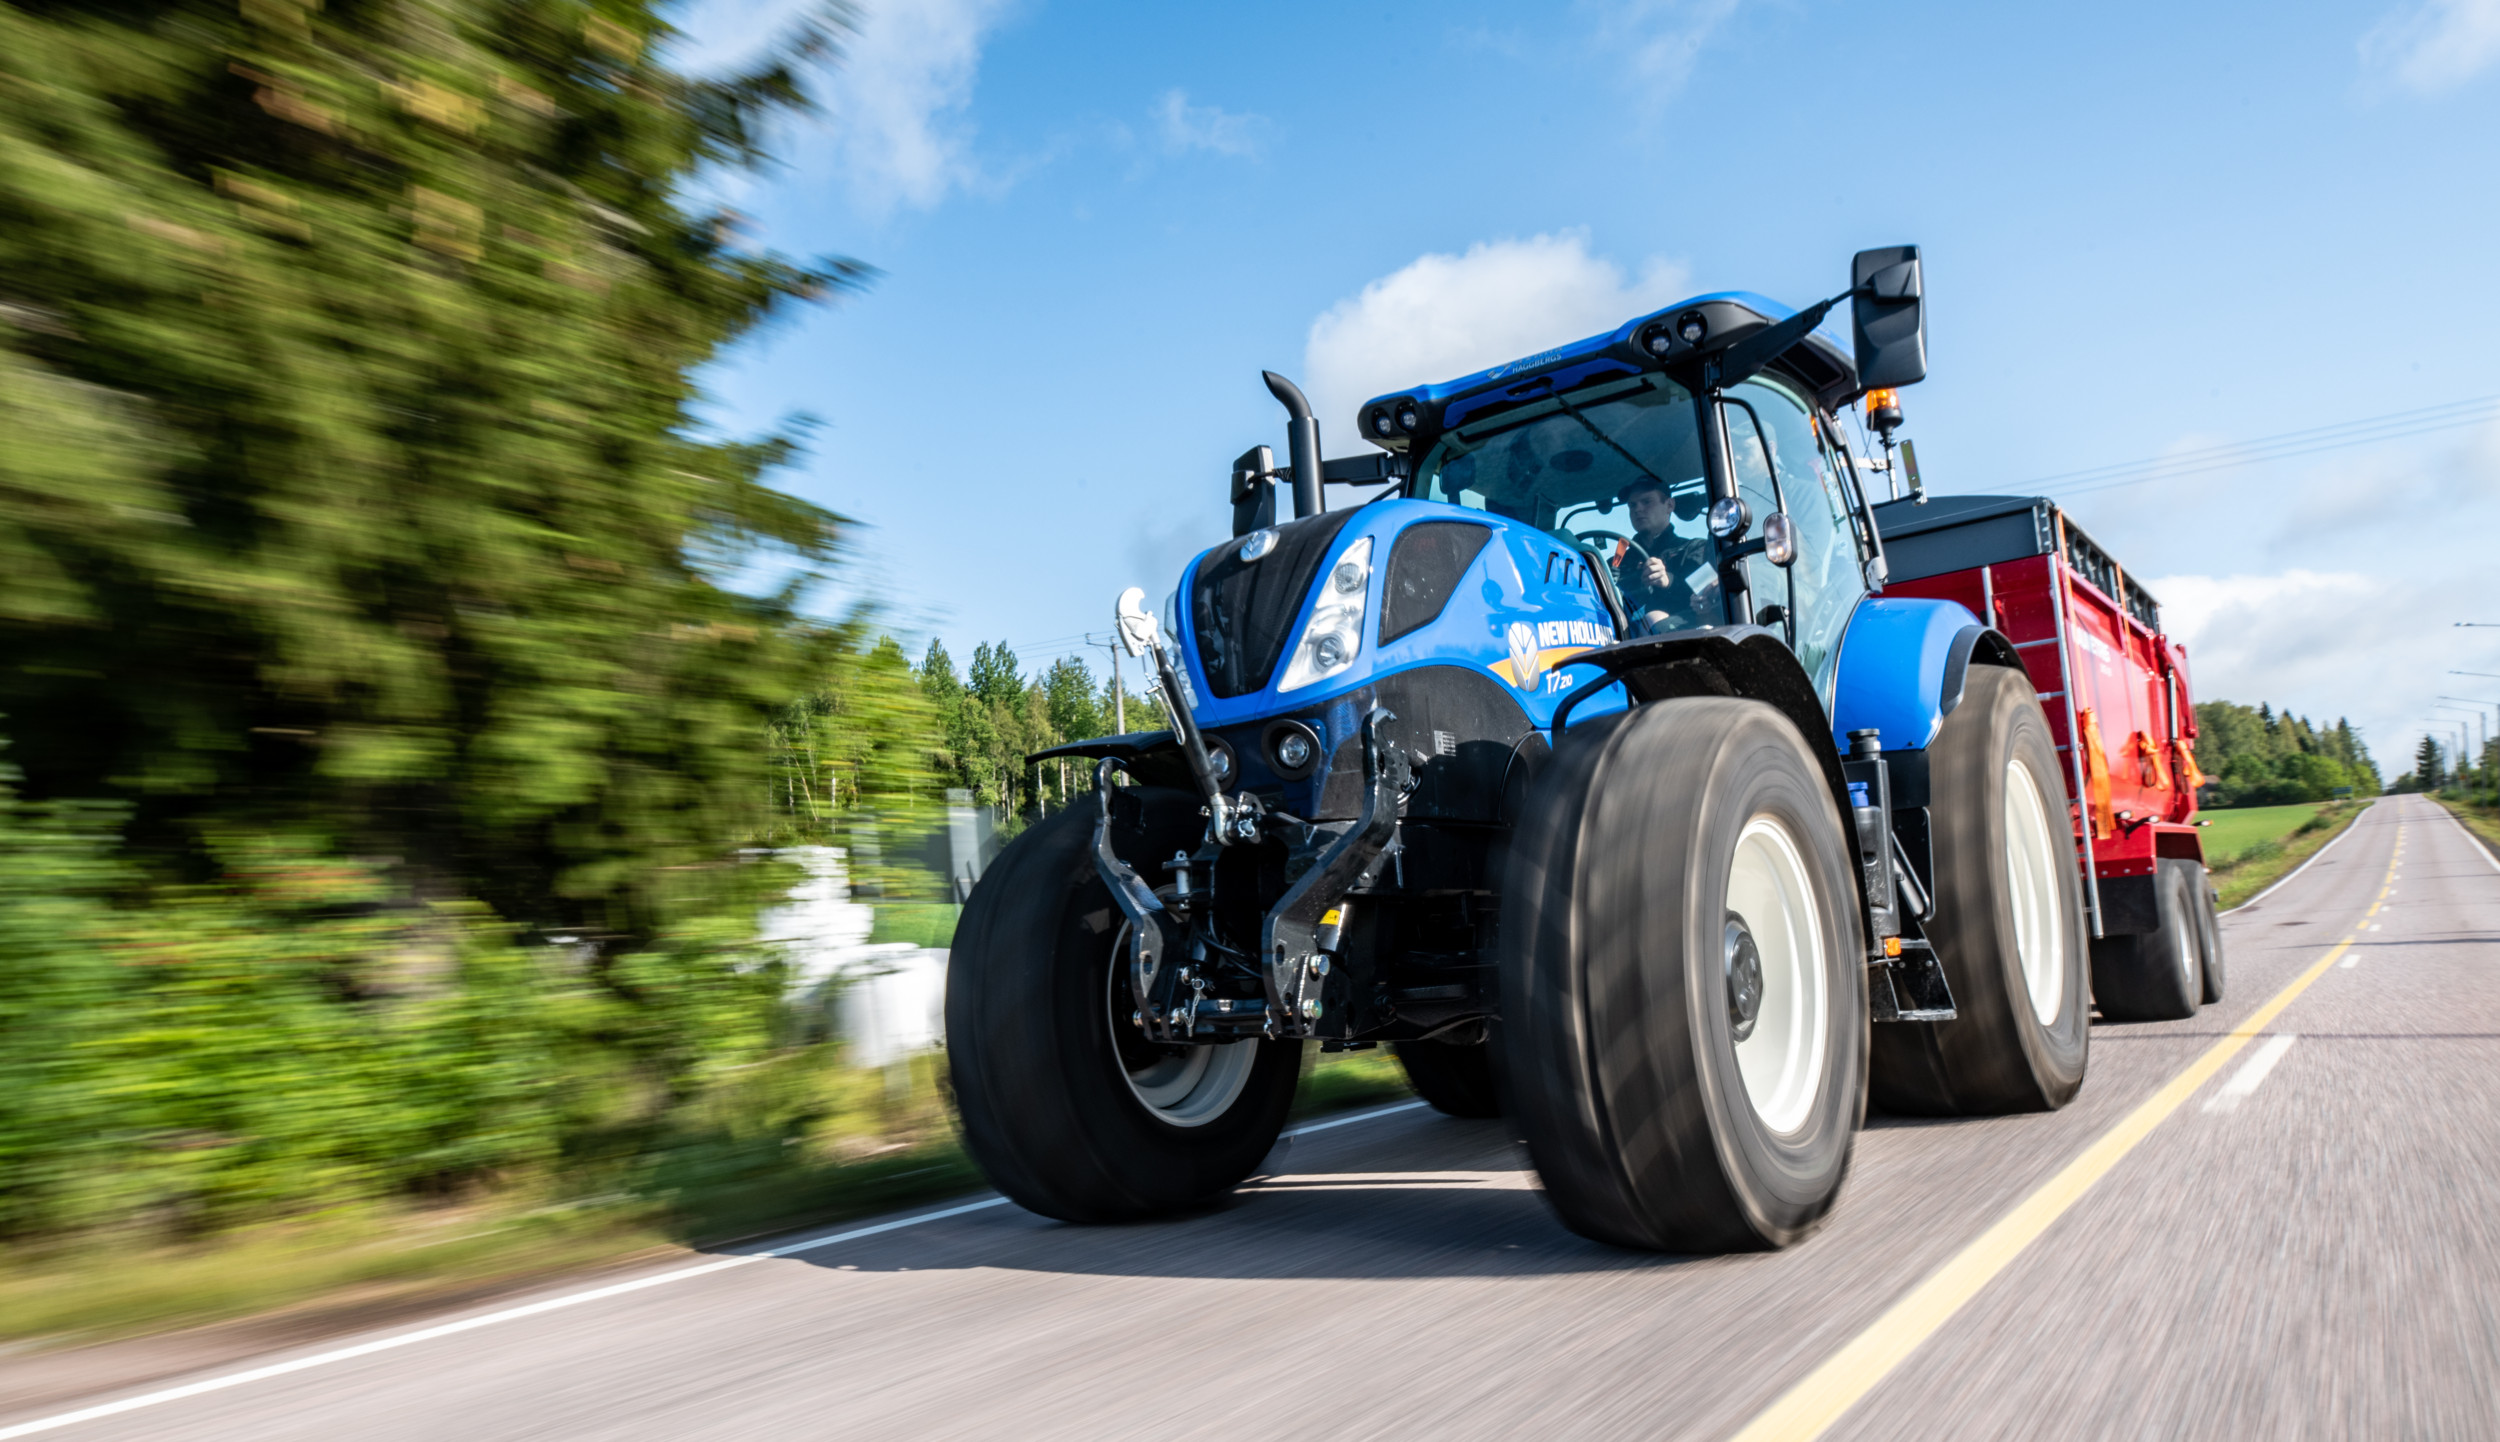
(1588, 768)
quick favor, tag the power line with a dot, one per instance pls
(2370, 430)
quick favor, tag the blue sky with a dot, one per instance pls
(2148, 229)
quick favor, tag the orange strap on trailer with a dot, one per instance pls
(2191, 776)
(2149, 762)
(2095, 774)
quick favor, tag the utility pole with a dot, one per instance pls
(1119, 701)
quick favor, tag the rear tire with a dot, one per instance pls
(2158, 976)
(2209, 931)
(1071, 1113)
(1457, 1080)
(1660, 852)
(2008, 924)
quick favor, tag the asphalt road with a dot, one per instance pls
(2189, 1250)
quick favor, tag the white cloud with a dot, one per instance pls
(1660, 39)
(894, 103)
(1443, 316)
(1186, 127)
(2326, 644)
(2436, 46)
(897, 106)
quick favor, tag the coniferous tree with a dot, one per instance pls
(347, 352)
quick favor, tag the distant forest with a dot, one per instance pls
(2256, 756)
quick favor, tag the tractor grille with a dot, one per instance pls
(1244, 611)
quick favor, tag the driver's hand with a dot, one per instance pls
(1655, 573)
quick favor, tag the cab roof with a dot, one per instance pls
(1825, 368)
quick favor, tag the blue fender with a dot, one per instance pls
(1901, 666)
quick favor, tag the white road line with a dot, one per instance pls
(2473, 843)
(552, 1304)
(2304, 866)
(2348, 963)
(1357, 1117)
(2251, 1072)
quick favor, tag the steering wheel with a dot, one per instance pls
(1592, 540)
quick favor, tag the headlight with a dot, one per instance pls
(1334, 635)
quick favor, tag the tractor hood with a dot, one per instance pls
(1398, 584)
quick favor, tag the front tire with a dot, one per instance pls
(2008, 924)
(1069, 1111)
(1682, 980)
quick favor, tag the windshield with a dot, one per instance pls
(1577, 466)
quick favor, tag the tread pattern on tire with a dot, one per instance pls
(1045, 1111)
(1617, 1059)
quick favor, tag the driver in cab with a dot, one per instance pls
(1667, 572)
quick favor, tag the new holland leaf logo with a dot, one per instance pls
(1523, 655)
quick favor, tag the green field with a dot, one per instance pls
(2231, 833)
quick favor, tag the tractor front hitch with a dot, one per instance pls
(1305, 927)
(1147, 942)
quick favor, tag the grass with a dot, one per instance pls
(790, 1144)
(2483, 821)
(921, 923)
(2263, 843)
(2234, 831)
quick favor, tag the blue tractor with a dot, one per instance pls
(1587, 767)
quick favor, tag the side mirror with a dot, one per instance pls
(1253, 493)
(1139, 631)
(1885, 290)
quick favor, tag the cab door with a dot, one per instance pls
(1781, 466)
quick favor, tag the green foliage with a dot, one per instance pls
(994, 716)
(347, 352)
(389, 716)
(2253, 757)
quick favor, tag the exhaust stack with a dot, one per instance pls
(1302, 440)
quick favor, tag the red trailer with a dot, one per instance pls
(2092, 642)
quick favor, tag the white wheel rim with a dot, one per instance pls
(1183, 1086)
(2031, 880)
(1781, 1062)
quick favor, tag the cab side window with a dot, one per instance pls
(1822, 588)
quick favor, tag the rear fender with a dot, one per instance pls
(1903, 664)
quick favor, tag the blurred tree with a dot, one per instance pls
(2261, 757)
(347, 352)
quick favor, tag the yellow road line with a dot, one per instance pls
(1831, 1389)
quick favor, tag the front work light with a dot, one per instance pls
(1729, 518)
(1333, 637)
(1779, 539)
(1409, 418)
(1692, 326)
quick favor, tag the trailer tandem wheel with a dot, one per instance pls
(1683, 1029)
(2008, 923)
(1068, 1109)
(2208, 933)
(2159, 975)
